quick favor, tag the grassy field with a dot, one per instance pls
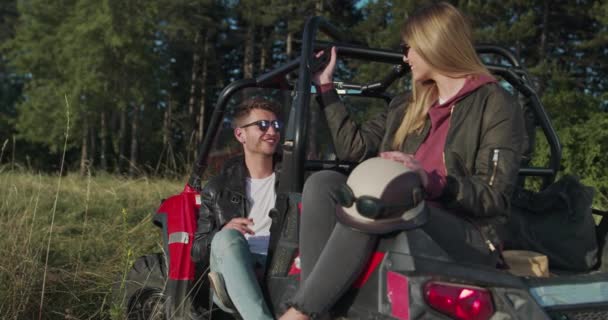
(67, 240)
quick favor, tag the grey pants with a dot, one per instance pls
(333, 255)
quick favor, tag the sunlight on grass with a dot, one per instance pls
(101, 224)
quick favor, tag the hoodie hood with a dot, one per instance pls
(472, 83)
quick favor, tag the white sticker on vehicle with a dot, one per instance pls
(179, 237)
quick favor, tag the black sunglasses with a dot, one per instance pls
(367, 206)
(404, 47)
(264, 125)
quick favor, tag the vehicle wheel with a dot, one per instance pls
(141, 296)
(147, 304)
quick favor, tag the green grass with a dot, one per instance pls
(96, 225)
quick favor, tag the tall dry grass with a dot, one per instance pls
(92, 229)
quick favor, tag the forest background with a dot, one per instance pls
(117, 95)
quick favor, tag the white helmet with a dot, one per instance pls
(381, 196)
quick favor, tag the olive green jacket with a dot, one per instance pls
(482, 152)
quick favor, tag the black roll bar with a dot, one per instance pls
(360, 52)
(295, 138)
(276, 78)
(397, 72)
(294, 145)
(555, 156)
(500, 51)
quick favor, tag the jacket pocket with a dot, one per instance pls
(229, 205)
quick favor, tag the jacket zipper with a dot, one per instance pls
(495, 165)
(449, 126)
(489, 243)
(495, 160)
(484, 237)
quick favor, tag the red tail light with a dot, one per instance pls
(459, 301)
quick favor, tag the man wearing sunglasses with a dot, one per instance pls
(233, 229)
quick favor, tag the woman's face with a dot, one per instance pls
(421, 71)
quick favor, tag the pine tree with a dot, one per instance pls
(10, 83)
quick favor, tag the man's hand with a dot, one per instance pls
(409, 162)
(240, 224)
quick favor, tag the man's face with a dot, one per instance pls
(253, 139)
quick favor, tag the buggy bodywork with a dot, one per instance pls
(398, 283)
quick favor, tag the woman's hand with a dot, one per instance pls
(326, 75)
(240, 224)
(409, 162)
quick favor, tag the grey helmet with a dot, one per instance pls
(381, 196)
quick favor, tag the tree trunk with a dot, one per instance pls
(196, 61)
(122, 140)
(93, 137)
(103, 131)
(249, 52)
(289, 45)
(264, 52)
(319, 7)
(542, 48)
(286, 96)
(167, 121)
(167, 140)
(134, 141)
(84, 148)
(194, 80)
(203, 101)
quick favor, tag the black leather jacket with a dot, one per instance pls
(222, 199)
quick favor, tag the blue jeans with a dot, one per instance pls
(230, 257)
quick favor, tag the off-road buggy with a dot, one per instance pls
(408, 277)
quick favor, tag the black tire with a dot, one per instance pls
(141, 295)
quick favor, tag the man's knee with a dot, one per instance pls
(224, 239)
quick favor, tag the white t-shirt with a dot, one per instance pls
(262, 196)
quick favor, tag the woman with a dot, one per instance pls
(458, 129)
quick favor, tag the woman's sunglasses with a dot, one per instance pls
(367, 206)
(264, 125)
(405, 48)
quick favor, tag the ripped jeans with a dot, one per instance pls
(230, 257)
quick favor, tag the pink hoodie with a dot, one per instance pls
(430, 152)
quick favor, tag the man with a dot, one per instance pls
(234, 224)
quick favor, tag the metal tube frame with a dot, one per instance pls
(295, 137)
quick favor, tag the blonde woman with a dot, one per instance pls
(458, 129)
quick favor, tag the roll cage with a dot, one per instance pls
(296, 130)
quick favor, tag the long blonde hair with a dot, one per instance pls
(442, 37)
